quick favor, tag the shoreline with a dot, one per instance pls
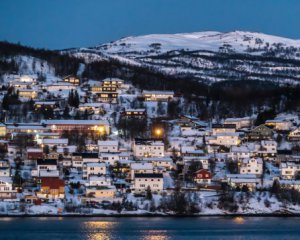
(72, 215)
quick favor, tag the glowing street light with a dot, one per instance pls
(158, 132)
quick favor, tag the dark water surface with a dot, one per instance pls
(150, 228)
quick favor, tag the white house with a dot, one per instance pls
(251, 166)
(93, 169)
(62, 142)
(45, 168)
(288, 170)
(157, 95)
(108, 146)
(203, 159)
(225, 139)
(241, 152)
(140, 168)
(144, 180)
(245, 122)
(267, 150)
(164, 162)
(6, 188)
(240, 180)
(109, 158)
(148, 148)
(98, 181)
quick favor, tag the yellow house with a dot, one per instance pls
(72, 79)
(2, 130)
(28, 93)
(101, 192)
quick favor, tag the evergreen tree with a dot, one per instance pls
(148, 193)
(66, 114)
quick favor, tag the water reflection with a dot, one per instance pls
(239, 220)
(155, 235)
(99, 230)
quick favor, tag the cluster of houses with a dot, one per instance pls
(201, 155)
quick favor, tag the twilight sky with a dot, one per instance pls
(57, 24)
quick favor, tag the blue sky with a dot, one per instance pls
(57, 24)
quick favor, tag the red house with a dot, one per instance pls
(34, 153)
(202, 176)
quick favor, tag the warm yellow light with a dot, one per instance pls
(158, 131)
(101, 129)
(239, 220)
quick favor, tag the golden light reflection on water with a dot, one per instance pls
(156, 235)
(239, 220)
(6, 219)
(99, 230)
(100, 224)
(106, 230)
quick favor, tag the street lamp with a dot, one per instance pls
(158, 132)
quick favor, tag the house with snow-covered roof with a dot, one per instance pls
(279, 125)
(143, 181)
(7, 190)
(148, 148)
(140, 167)
(108, 146)
(157, 95)
(251, 166)
(90, 169)
(239, 123)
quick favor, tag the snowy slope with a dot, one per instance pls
(208, 56)
(210, 41)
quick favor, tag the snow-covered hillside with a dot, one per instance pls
(209, 56)
(209, 41)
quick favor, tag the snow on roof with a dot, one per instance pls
(237, 119)
(47, 173)
(268, 142)
(228, 134)
(92, 104)
(108, 143)
(74, 122)
(241, 149)
(144, 166)
(277, 121)
(49, 134)
(34, 150)
(45, 102)
(243, 180)
(243, 176)
(92, 164)
(6, 180)
(287, 164)
(158, 159)
(95, 177)
(290, 182)
(55, 141)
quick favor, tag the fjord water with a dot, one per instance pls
(150, 228)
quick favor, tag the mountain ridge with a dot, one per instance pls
(203, 55)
